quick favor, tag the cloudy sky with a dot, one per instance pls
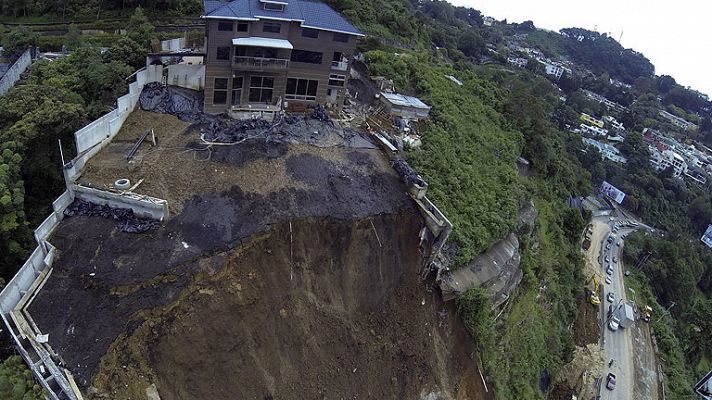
(674, 35)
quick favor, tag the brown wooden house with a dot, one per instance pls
(263, 51)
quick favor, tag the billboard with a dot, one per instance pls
(704, 387)
(707, 237)
(612, 192)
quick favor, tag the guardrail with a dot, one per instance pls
(244, 62)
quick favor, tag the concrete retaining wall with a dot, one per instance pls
(94, 136)
(187, 76)
(173, 44)
(142, 206)
(13, 74)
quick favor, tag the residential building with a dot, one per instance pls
(406, 107)
(665, 159)
(614, 123)
(607, 151)
(601, 99)
(677, 121)
(593, 130)
(552, 68)
(587, 119)
(261, 51)
(518, 61)
(488, 21)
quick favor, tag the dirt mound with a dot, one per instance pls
(586, 327)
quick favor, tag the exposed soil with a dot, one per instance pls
(286, 271)
(586, 327)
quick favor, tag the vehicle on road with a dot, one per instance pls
(608, 259)
(608, 280)
(620, 242)
(614, 323)
(608, 246)
(609, 270)
(627, 273)
(615, 259)
(611, 381)
(611, 297)
(625, 316)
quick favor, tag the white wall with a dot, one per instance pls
(13, 74)
(187, 76)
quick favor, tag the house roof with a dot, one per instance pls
(405, 101)
(310, 13)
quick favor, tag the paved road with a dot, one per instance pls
(618, 344)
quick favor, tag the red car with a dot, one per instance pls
(610, 381)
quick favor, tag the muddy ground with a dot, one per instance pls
(287, 271)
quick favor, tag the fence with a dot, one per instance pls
(13, 74)
(18, 294)
(173, 44)
(191, 76)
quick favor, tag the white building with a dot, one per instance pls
(593, 130)
(607, 151)
(552, 68)
(488, 21)
(677, 121)
(518, 61)
(665, 159)
(614, 123)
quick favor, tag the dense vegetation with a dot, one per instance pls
(83, 9)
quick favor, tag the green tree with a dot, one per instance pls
(73, 38)
(127, 51)
(18, 40)
(139, 29)
(16, 381)
(636, 151)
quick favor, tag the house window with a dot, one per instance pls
(236, 91)
(341, 37)
(223, 53)
(272, 27)
(310, 33)
(242, 26)
(220, 91)
(225, 26)
(337, 80)
(273, 6)
(305, 56)
(301, 89)
(261, 88)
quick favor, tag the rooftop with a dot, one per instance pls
(405, 101)
(310, 13)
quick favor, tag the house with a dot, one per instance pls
(587, 119)
(593, 130)
(607, 151)
(261, 51)
(406, 107)
(677, 121)
(662, 160)
(488, 21)
(518, 61)
(552, 68)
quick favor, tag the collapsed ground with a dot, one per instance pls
(287, 270)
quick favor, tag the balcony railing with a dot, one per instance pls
(259, 63)
(340, 65)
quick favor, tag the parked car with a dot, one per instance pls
(611, 381)
(614, 324)
(608, 279)
(615, 259)
(627, 273)
(619, 243)
(608, 259)
(611, 297)
(609, 270)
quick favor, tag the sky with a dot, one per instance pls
(674, 35)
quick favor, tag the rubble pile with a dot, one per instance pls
(128, 222)
(231, 131)
(408, 173)
(183, 103)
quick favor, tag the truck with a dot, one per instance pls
(626, 315)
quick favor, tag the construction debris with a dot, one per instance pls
(408, 173)
(128, 222)
(183, 103)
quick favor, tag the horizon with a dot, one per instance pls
(637, 21)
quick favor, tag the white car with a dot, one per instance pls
(609, 271)
(619, 243)
(611, 297)
(614, 324)
(615, 259)
(607, 259)
(608, 280)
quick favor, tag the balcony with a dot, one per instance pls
(246, 63)
(340, 65)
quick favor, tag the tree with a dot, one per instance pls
(18, 40)
(636, 151)
(73, 37)
(16, 381)
(139, 29)
(127, 51)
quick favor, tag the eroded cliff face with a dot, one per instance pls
(314, 308)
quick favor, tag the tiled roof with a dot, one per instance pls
(310, 13)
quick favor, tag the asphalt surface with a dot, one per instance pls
(618, 345)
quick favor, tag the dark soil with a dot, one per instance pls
(586, 328)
